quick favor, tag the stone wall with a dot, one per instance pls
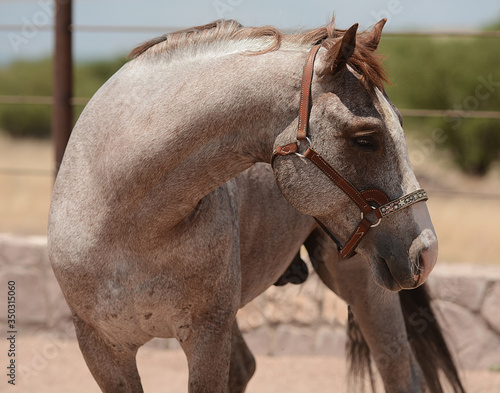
(306, 319)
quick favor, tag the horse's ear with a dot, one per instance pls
(373, 38)
(338, 54)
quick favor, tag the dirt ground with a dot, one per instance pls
(50, 365)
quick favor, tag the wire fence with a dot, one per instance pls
(45, 100)
(48, 100)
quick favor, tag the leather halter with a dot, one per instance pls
(369, 201)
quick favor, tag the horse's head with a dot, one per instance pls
(354, 126)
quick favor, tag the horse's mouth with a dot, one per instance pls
(384, 277)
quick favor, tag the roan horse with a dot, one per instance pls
(143, 229)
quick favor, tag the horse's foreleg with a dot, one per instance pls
(242, 365)
(382, 325)
(208, 352)
(114, 369)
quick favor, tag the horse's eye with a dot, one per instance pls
(365, 142)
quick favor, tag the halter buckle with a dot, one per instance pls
(372, 225)
(298, 144)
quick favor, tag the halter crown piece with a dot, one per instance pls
(381, 206)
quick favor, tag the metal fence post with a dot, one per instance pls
(62, 114)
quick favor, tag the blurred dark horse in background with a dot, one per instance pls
(398, 330)
(144, 231)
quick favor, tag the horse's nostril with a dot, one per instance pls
(426, 262)
(419, 268)
(423, 254)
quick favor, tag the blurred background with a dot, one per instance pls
(442, 58)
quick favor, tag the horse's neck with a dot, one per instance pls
(213, 118)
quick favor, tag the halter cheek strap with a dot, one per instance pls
(371, 201)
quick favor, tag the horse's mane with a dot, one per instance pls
(364, 60)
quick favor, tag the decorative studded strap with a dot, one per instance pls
(364, 225)
(402, 202)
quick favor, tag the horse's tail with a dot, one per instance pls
(359, 361)
(426, 340)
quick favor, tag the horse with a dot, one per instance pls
(143, 233)
(399, 331)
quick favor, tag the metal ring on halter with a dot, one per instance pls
(373, 225)
(298, 144)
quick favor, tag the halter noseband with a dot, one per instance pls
(361, 198)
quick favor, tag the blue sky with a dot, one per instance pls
(32, 41)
